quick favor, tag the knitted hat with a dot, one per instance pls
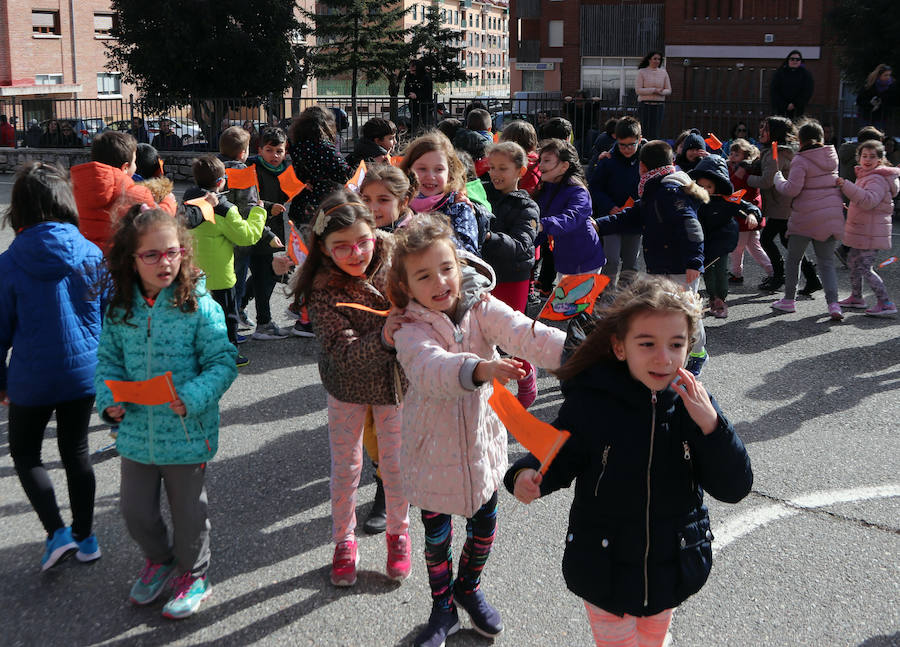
(713, 167)
(694, 140)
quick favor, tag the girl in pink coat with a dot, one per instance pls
(454, 446)
(817, 214)
(868, 226)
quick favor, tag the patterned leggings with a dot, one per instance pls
(861, 262)
(628, 631)
(480, 531)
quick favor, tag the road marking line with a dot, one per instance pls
(737, 527)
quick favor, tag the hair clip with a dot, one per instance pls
(144, 207)
(322, 219)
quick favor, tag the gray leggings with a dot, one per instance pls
(824, 258)
(626, 247)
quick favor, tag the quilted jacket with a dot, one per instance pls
(817, 210)
(871, 207)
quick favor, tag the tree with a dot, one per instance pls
(178, 53)
(865, 34)
(354, 37)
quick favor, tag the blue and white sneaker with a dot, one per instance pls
(189, 591)
(58, 548)
(152, 581)
(88, 549)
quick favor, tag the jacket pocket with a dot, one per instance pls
(694, 553)
(587, 563)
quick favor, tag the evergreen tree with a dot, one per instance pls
(865, 34)
(355, 37)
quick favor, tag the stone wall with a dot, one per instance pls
(176, 165)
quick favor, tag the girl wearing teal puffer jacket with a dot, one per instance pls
(161, 318)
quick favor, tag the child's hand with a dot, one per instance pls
(276, 243)
(281, 265)
(396, 318)
(604, 155)
(702, 153)
(751, 221)
(502, 369)
(277, 209)
(211, 198)
(178, 407)
(115, 412)
(839, 181)
(696, 401)
(691, 275)
(740, 173)
(527, 487)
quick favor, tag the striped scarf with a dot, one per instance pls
(660, 171)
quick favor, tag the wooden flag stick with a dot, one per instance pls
(175, 397)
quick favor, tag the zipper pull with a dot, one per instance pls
(687, 450)
(605, 456)
(148, 327)
(653, 397)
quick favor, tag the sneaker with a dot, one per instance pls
(301, 329)
(441, 623)
(88, 549)
(485, 618)
(696, 363)
(527, 392)
(153, 579)
(189, 591)
(735, 279)
(812, 285)
(241, 339)
(854, 303)
(245, 322)
(58, 548)
(242, 361)
(269, 331)
(343, 564)
(771, 283)
(377, 519)
(720, 309)
(398, 561)
(293, 311)
(834, 311)
(784, 305)
(882, 309)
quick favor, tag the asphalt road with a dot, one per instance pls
(809, 558)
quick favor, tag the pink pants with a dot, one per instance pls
(345, 431)
(749, 240)
(628, 631)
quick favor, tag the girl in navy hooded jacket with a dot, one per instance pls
(647, 440)
(50, 314)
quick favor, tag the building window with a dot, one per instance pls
(532, 80)
(556, 33)
(45, 23)
(48, 79)
(610, 78)
(104, 24)
(109, 85)
(415, 12)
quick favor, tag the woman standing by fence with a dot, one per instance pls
(652, 86)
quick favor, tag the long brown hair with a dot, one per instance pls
(645, 294)
(436, 141)
(120, 260)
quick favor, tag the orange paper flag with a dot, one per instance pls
(540, 438)
(242, 178)
(396, 160)
(496, 137)
(574, 294)
(290, 183)
(205, 208)
(354, 182)
(156, 390)
(359, 306)
(628, 203)
(775, 151)
(736, 196)
(296, 249)
(713, 142)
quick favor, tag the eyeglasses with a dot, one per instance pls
(795, 58)
(631, 145)
(154, 256)
(342, 252)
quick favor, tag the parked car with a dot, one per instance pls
(503, 117)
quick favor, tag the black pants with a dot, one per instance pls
(26, 435)
(225, 298)
(778, 228)
(546, 276)
(262, 278)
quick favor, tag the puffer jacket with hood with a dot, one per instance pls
(775, 205)
(454, 446)
(51, 307)
(102, 194)
(817, 210)
(871, 208)
(510, 247)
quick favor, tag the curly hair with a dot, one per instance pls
(436, 142)
(426, 230)
(122, 276)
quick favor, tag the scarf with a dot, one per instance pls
(272, 169)
(881, 86)
(660, 171)
(421, 204)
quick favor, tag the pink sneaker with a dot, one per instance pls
(834, 311)
(527, 392)
(882, 309)
(398, 562)
(343, 564)
(853, 302)
(784, 305)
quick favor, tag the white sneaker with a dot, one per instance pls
(269, 331)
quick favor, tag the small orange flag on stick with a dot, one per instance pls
(540, 438)
(628, 203)
(496, 137)
(736, 196)
(156, 390)
(296, 249)
(574, 294)
(713, 142)
(242, 178)
(290, 183)
(205, 208)
(396, 160)
(775, 151)
(888, 261)
(354, 182)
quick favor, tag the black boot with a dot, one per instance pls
(813, 283)
(377, 519)
(771, 283)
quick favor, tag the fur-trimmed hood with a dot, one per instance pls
(690, 187)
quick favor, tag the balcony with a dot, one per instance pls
(529, 51)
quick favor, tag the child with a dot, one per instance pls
(386, 191)
(693, 149)
(523, 133)
(154, 281)
(103, 187)
(441, 179)
(50, 313)
(376, 143)
(565, 206)
(741, 157)
(147, 163)
(663, 441)
(614, 182)
(868, 226)
(509, 246)
(214, 241)
(347, 263)
(666, 215)
(817, 215)
(719, 219)
(447, 345)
